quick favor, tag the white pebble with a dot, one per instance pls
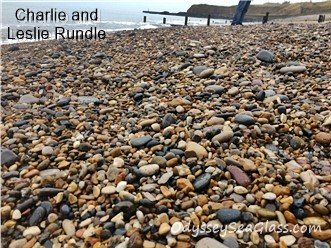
(16, 214)
(177, 228)
(121, 186)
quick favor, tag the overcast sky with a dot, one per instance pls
(170, 5)
(185, 4)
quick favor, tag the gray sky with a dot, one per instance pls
(170, 5)
(184, 5)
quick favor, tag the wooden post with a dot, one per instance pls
(186, 20)
(265, 18)
(321, 18)
(208, 20)
(145, 18)
(164, 20)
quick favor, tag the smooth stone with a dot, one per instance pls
(244, 119)
(202, 182)
(108, 190)
(193, 149)
(84, 147)
(215, 89)
(206, 73)
(239, 175)
(47, 151)
(68, 227)
(161, 161)
(112, 173)
(260, 95)
(266, 213)
(231, 242)
(177, 228)
(240, 190)
(317, 221)
(141, 141)
(269, 240)
(121, 186)
(294, 69)
(30, 99)
(31, 74)
(16, 214)
(49, 172)
(164, 229)
(296, 142)
(135, 241)
(149, 169)
(127, 207)
(19, 243)
(233, 91)
(322, 235)
(288, 239)
(63, 101)
(37, 216)
(269, 196)
(266, 56)
(8, 157)
(165, 177)
(209, 243)
(247, 164)
(320, 244)
(304, 242)
(87, 99)
(224, 136)
(327, 121)
(309, 177)
(168, 120)
(323, 138)
(198, 69)
(47, 206)
(269, 93)
(199, 55)
(31, 231)
(229, 215)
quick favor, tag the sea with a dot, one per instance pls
(112, 17)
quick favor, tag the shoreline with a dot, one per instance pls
(311, 19)
(142, 139)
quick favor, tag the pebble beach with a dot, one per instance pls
(133, 140)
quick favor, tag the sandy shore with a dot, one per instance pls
(141, 139)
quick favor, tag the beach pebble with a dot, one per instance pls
(68, 227)
(47, 151)
(265, 55)
(323, 138)
(209, 243)
(227, 216)
(8, 157)
(244, 119)
(193, 149)
(288, 239)
(294, 69)
(31, 231)
(150, 169)
(177, 228)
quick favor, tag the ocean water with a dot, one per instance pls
(114, 16)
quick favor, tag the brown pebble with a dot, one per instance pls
(323, 138)
(239, 175)
(135, 241)
(322, 235)
(290, 217)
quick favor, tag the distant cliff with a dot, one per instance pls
(256, 12)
